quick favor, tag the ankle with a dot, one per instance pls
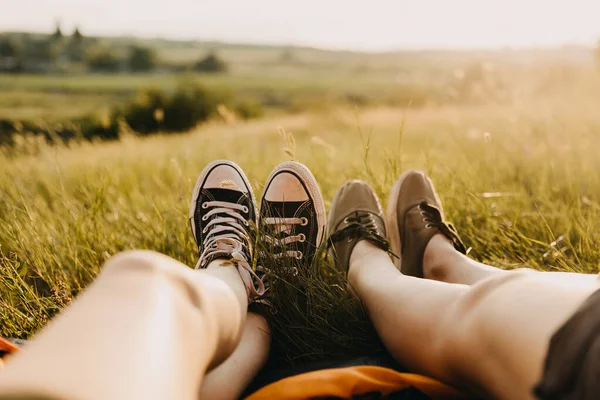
(438, 257)
(226, 271)
(219, 262)
(362, 256)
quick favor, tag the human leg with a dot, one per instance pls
(478, 337)
(490, 337)
(292, 221)
(130, 335)
(441, 262)
(434, 249)
(230, 379)
(149, 328)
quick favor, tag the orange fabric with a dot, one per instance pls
(346, 382)
(7, 346)
(337, 382)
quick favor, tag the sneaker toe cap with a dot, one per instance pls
(353, 196)
(225, 176)
(286, 186)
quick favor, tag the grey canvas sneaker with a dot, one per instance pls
(414, 216)
(223, 221)
(356, 214)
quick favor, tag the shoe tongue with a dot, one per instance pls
(228, 244)
(283, 209)
(229, 195)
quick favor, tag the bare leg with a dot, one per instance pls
(490, 338)
(148, 328)
(230, 379)
(442, 262)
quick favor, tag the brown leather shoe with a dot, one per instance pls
(356, 214)
(414, 216)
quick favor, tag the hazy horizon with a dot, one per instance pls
(379, 25)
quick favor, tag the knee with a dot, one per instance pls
(154, 271)
(157, 272)
(143, 261)
(465, 327)
(477, 294)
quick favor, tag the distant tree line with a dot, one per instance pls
(59, 53)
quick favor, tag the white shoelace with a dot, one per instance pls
(286, 225)
(227, 230)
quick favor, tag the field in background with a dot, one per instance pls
(299, 79)
(521, 180)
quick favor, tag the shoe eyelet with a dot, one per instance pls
(302, 238)
(246, 222)
(346, 220)
(349, 240)
(303, 221)
(205, 217)
(245, 209)
(419, 207)
(428, 226)
(299, 255)
(205, 205)
(205, 230)
(423, 213)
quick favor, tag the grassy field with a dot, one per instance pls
(521, 181)
(60, 98)
(303, 79)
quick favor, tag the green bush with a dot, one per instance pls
(143, 113)
(142, 59)
(188, 106)
(91, 127)
(150, 111)
(102, 59)
(9, 47)
(88, 128)
(211, 63)
(153, 110)
(7, 129)
(249, 109)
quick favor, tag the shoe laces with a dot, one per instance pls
(432, 216)
(285, 226)
(360, 225)
(226, 233)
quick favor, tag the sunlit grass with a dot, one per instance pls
(522, 184)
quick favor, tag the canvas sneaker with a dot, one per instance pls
(292, 217)
(223, 221)
(414, 216)
(356, 214)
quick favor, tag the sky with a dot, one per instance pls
(350, 24)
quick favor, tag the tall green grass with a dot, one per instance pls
(521, 182)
